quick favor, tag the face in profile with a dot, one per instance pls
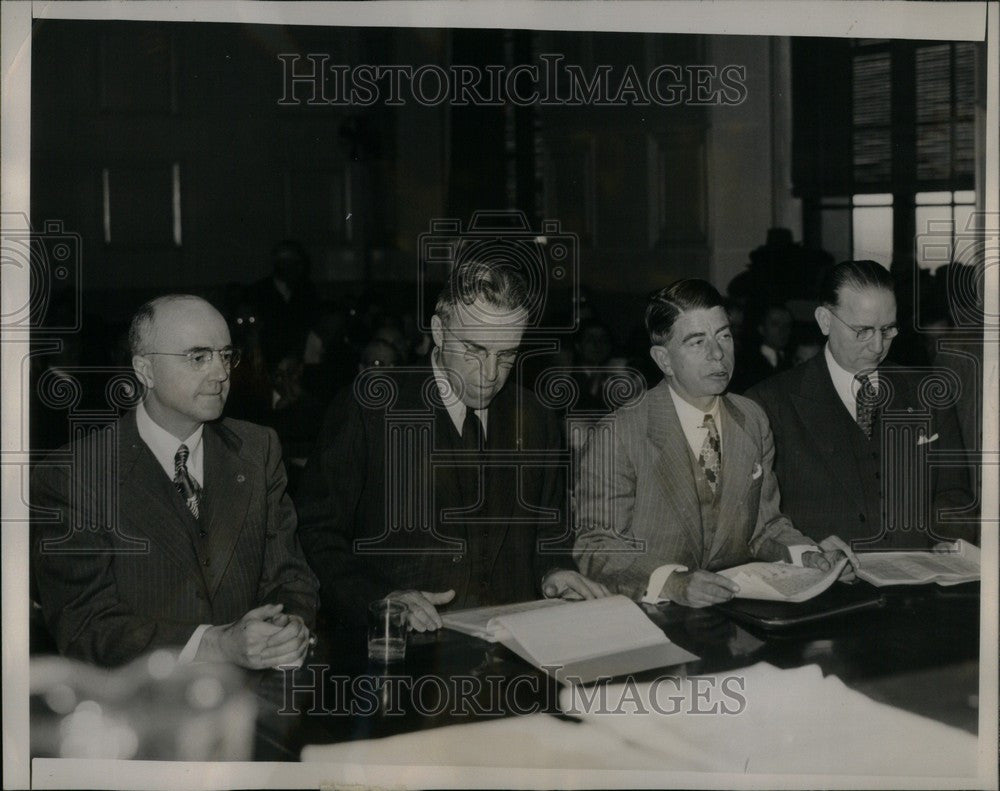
(855, 311)
(477, 348)
(182, 392)
(698, 355)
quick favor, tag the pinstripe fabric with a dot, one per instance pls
(636, 501)
(835, 480)
(114, 588)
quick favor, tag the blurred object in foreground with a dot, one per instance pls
(151, 709)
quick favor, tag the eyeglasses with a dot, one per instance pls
(201, 359)
(505, 358)
(865, 334)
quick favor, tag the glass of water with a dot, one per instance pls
(386, 631)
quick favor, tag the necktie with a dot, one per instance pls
(472, 432)
(710, 458)
(864, 403)
(186, 485)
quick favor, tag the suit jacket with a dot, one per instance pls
(831, 475)
(121, 565)
(389, 501)
(637, 505)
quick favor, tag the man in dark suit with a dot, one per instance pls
(439, 484)
(679, 484)
(852, 435)
(172, 527)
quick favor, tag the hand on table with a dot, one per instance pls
(833, 550)
(422, 615)
(698, 588)
(572, 585)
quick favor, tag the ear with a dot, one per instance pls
(143, 370)
(437, 330)
(822, 316)
(662, 359)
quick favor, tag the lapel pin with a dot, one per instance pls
(240, 478)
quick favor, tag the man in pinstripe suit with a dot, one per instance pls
(680, 484)
(173, 529)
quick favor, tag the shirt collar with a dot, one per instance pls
(769, 354)
(164, 445)
(452, 403)
(691, 419)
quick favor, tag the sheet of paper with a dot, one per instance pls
(781, 581)
(914, 568)
(481, 621)
(581, 630)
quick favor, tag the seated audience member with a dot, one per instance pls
(390, 504)
(681, 485)
(172, 528)
(286, 301)
(852, 434)
(771, 354)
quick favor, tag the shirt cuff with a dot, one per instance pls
(190, 650)
(657, 580)
(796, 551)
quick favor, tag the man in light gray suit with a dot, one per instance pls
(680, 484)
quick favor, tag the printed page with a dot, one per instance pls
(581, 630)
(481, 621)
(781, 581)
(915, 568)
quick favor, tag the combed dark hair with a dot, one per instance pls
(142, 320)
(668, 303)
(857, 275)
(497, 283)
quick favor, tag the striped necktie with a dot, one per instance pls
(865, 401)
(186, 485)
(710, 458)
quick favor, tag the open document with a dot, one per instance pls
(950, 567)
(781, 581)
(576, 642)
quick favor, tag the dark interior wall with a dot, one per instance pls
(122, 110)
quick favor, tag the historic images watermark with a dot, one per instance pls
(314, 690)
(312, 79)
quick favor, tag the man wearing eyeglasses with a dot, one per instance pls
(436, 485)
(200, 553)
(852, 434)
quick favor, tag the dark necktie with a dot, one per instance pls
(472, 432)
(186, 485)
(864, 402)
(710, 458)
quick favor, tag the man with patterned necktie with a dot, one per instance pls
(679, 484)
(855, 437)
(174, 529)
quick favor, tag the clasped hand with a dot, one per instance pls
(264, 637)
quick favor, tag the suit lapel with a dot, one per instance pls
(503, 427)
(673, 464)
(147, 500)
(227, 486)
(739, 454)
(820, 408)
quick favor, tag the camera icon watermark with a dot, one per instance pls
(52, 259)
(965, 255)
(546, 259)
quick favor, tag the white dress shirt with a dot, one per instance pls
(456, 408)
(845, 384)
(163, 446)
(691, 419)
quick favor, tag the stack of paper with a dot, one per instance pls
(781, 581)
(764, 720)
(577, 642)
(916, 568)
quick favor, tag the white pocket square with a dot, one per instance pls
(757, 471)
(925, 440)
